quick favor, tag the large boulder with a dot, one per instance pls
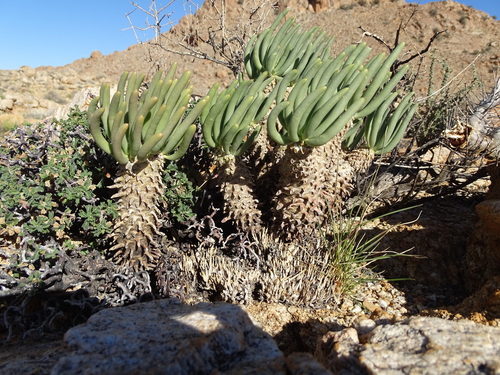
(419, 345)
(167, 337)
(483, 249)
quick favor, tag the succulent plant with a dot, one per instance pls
(140, 132)
(384, 128)
(312, 117)
(317, 120)
(230, 125)
(331, 99)
(329, 95)
(133, 128)
(313, 102)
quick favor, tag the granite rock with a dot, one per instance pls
(418, 345)
(483, 248)
(167, 337)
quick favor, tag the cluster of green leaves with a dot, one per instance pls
(230, 120)
(133, 127)
(279, 50)
(318, 95)
(52, 187)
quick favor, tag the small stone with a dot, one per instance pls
(356, 309)
(370, 306)
(6, 105)
(383, 303)
(364, 326)
(336, 350)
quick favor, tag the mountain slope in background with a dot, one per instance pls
(469, 35)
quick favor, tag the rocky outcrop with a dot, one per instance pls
(419, 345)
(483, 249)
(33, 94)
(167, 337)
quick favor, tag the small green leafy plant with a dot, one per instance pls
(51, 188)
(180, 192)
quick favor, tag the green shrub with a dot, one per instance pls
(54, 192)
(51, 189)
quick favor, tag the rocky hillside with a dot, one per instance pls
(468, 35)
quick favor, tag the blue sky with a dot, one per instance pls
(491, 7)
(56, 32)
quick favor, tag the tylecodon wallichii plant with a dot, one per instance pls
(140, 132)
(331, 99)
(325, 116)
(230, 124)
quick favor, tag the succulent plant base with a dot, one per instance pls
(140, 189)
(240, 204)
(314, 181)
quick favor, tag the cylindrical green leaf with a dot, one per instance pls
(330, 109)
(116, 144)
(213, 95)
(208, 125)
(299, 120)
(335, 127)
(183, 145)
(145, 149)
(272, 122)
(95, 130)
(170, 130)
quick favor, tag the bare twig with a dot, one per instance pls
(376, 37)
(209, 34)
(397, 63)
(158, 16)
(423, 51)
(450, 81)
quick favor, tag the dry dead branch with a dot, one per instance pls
(157, 14)
(214, 32)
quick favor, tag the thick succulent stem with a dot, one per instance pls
(140, 189)
(314, 182)
(240, 204)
